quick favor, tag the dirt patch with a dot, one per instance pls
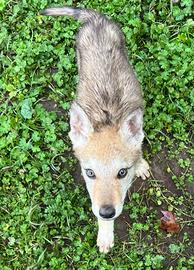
(122, 225)
(52, 106)
(159, 166)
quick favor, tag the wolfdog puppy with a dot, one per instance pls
(106, 118)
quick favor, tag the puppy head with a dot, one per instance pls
(108, 159)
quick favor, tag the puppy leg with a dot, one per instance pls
(105, 238)
(142, 169)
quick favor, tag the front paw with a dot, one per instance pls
(105, 241)
(142, 169)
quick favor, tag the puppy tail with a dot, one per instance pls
(84, 15)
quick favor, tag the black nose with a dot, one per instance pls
(107, 211)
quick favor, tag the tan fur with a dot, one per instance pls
(109, 194)
(106, 144)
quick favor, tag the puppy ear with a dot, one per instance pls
(132, 128)
(80, 125)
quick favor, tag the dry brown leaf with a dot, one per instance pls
(168, 222)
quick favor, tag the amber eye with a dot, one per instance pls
(122, 173)
(90, 173)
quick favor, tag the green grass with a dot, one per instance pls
(46, 220)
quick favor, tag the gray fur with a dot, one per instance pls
(108, 90)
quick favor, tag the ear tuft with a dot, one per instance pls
(132, 127)
(80, 125)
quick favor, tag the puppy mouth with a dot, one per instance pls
(108, 219)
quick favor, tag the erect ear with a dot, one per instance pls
(80, 125)
(132, 128)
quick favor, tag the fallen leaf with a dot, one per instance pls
(168, 222)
